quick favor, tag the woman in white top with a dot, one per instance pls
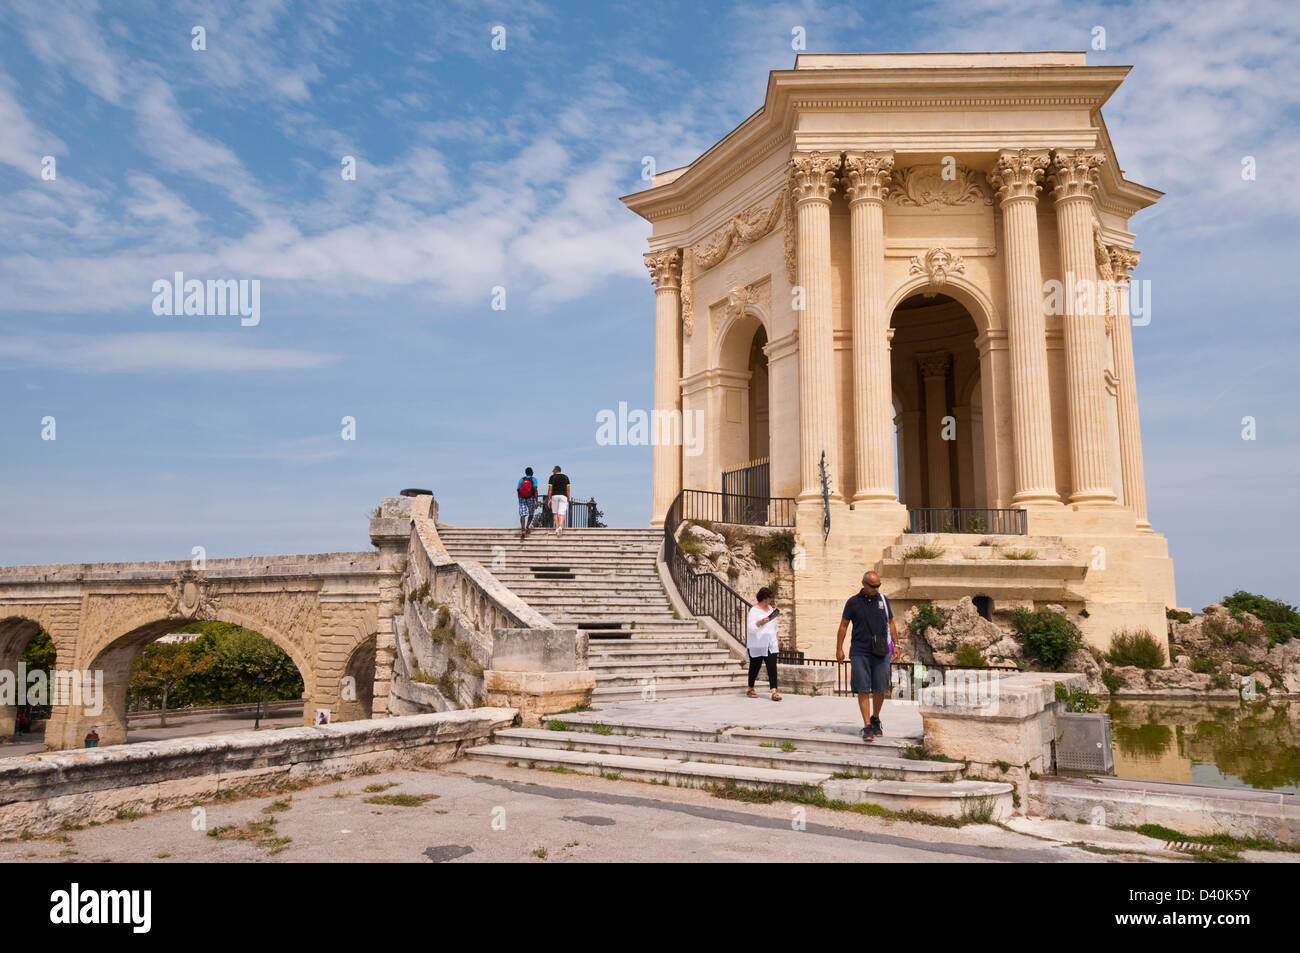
(760, 639)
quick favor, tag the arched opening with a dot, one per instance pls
(358, 691)
(28, 658)
(742, 395)
(170, 664)
(935, 368)
(984, 606)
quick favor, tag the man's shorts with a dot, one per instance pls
(526, 505)
(870, 674)
(560, 505)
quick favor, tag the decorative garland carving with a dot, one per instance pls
(745, 229)
(688, 292)
(924, 186)
(791, 250)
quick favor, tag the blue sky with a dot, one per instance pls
(479, 168)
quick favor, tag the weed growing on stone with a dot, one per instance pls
(400, 800)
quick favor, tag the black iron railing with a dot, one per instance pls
(907, 679)
(703, 592)
(753, 479)
(950, 519)
(729, 508)
(583, 514)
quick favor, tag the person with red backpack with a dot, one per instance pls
(526, 491)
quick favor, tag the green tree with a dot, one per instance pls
(164, 665)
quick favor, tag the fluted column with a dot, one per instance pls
(1074, 178)
(1123, 261)
(812, 179)
(866, 177)
(1016, 176)
(934, 371)
(666, 273)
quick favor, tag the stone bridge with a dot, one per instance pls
(331, 612)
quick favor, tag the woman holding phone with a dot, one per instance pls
(760, 639)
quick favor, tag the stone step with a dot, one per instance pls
(607, 668)
(664, 677)
(663, 770)
(828, 741)
(618, 693)
(668, 655)
(865, 762)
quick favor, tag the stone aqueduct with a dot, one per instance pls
(324, 610)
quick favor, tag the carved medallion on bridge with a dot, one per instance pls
(188, 595)
(938, 264)
(925, 186)
(744, 229)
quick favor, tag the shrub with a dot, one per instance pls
(1019, 554)
(923, 552)
(1281, 621)
(927, 616)
(1177, 615)
(691, 545)
(769, 549)
(1204, 666)
(1111, 680)
(1047, 636)
(970, 657)
(1137, 647)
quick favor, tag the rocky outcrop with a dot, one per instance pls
(1235, 644)
(960, 626)
(731, 556)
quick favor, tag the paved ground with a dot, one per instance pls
(546, 816)
(178, 726)
(796, 712)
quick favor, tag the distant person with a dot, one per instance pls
(526, 491)
(92, 738)
(24, 722)
(557, 498)
(872, 645)
(760, 640)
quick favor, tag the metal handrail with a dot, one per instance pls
(909, 670)
(951, 519)
(713, 507)
(703, 592)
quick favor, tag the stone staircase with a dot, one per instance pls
(979, 564)
(604, 582)
(841, 765)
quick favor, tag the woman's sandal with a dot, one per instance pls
(751, 694)
(776, 697)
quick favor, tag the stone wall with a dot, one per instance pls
(40, 792)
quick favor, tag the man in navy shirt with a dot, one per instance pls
(870, 650)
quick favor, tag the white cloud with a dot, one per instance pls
(180, 351)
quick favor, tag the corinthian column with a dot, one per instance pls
(1122, 261)
(812, 177)
(866, 177)
(666, 273)
(1074, 177)
(1016, 176)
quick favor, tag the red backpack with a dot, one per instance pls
(526, 488)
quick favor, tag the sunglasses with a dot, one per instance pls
(872, 585)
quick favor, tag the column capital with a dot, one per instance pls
(1122, 261)
(934, 364)
(866, 175)
(665, 269)
(1074, 173)
(813, 175)
(1018, 174)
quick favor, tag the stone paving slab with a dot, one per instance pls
(826, 713)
